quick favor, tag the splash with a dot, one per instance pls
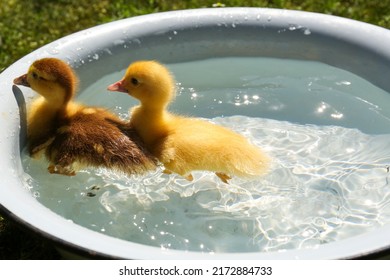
(326, 183)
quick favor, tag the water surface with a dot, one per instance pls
(326, 130)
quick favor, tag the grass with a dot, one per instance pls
(26, 25)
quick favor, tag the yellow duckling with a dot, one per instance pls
(184, 144)
(72, 135)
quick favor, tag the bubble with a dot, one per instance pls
(54, 51)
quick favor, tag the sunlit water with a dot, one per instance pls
(326, 130)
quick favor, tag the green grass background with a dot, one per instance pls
(26, 25)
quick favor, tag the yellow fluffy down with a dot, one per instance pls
(193, 144)
(184, 144)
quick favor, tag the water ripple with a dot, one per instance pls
(326, 183)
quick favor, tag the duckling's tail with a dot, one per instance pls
(250, 164)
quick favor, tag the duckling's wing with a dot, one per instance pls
(36, 149)
(127, 129)
(90, 140)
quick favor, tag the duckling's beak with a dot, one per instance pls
(22, 81)
(118, 86)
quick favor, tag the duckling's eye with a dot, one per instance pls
(36, 76)
(134, 81)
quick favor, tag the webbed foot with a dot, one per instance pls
(55, 169)
(224, 177)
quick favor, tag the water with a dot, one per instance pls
(326, 130)
(287, 90)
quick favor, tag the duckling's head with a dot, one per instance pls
(52, 78)
(148, 81)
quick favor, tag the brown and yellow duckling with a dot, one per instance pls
(71, 135)
(184, 144)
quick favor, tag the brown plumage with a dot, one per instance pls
(71, 135)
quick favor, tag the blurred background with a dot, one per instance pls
(26, 25)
